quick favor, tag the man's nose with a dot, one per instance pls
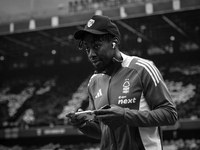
(92, 52)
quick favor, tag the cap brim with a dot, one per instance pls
(81, 33)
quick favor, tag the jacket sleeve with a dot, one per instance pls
(92, 127)
(156, 106)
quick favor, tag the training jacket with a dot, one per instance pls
(138, 87)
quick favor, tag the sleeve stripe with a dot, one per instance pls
(153, 67)
(148, 72)
(151, 70)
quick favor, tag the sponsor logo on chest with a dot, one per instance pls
(126, 90)
(124, 100)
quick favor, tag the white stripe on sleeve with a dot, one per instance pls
(151, 69)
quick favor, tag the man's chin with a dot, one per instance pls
(99, 68)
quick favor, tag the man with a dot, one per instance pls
(133, 89)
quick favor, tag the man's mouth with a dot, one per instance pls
(95, 61)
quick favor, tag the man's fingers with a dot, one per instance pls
(70, 114)
(101, 117)
(102, 112)
(79, 110)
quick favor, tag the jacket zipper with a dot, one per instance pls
(112, 132)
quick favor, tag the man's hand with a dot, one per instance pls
(75, 120)
(113, 116)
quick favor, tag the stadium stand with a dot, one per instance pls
(39, 82)
(41, 100)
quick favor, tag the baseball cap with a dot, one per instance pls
(100, 25)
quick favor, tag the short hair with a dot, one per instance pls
(104, 37)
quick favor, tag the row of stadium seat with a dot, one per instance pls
(44, 101)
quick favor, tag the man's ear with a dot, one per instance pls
(114, 42)
(117, 54)
(113, 45)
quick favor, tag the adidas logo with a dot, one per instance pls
(99, 94)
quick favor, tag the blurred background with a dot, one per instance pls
(43, 75)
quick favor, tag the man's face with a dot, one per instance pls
(100, 52)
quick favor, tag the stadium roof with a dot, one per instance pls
(157, 25)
